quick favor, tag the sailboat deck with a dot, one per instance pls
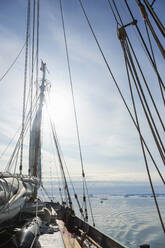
(60, 238)
(51, 240)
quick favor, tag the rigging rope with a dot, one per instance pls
(75, 114)
(32, 61)
(153, 1)
(117, 12)
(162, 146)
(116, 84)
(25, 80)
(152, 52)
(37, 45)
(75, 194)
(124, 44)
(44, 189)
(138, 63)
(110, 5)
(147, 20)
(144, 102)
(44, 196)
(11, 140)
(150, 43)
(147, 86)
(51, 183)
(140, 135)
(60, 162)
(13, 63)
(74, 191)
(19, 139)
(149, 94)
(139, 38)
(57, 173)
(71, 84)
(145, 46)
(153, 56)
(155, 17)
(149, 55)
(26, 121)
(59, 151)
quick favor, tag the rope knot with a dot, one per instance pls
(121, 34)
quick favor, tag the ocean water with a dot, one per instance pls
(131, 220)
(126, 213)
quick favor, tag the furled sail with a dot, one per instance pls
(15, 190)
(35, 135)
(35, 146)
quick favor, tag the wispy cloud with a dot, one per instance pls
(110, 144)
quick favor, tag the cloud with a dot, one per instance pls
(110, 143)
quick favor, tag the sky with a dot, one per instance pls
(110, 144)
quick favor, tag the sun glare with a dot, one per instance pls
(59, 106)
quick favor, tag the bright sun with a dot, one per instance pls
(58, 104)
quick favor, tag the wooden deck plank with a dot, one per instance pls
(69, 240)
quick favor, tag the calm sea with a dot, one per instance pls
(127, 213)
(131, 220)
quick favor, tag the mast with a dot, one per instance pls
(35, 134)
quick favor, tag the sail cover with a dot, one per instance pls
(35, 134)
(35, 146)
